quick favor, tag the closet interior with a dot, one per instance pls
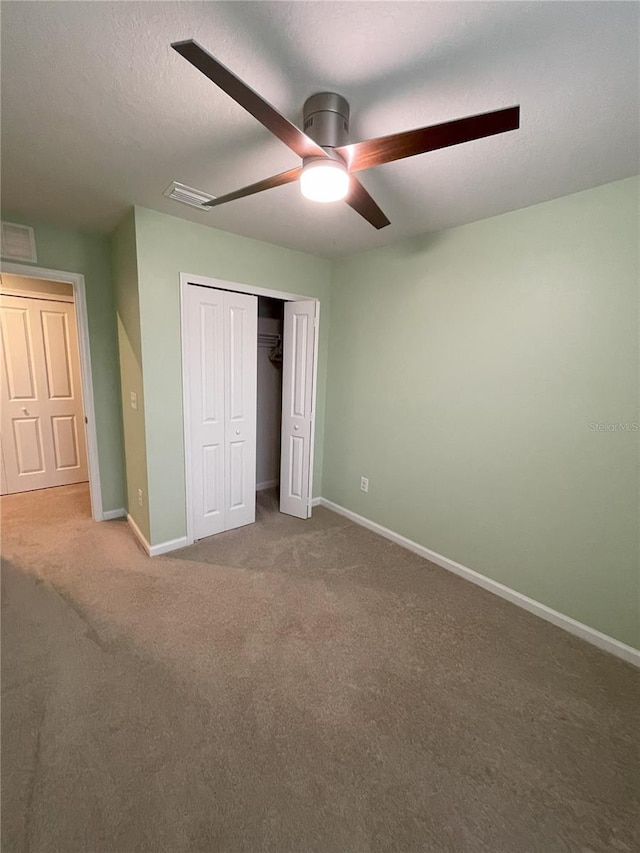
(269, 397)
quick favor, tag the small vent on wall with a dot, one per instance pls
(188, 195)
(18, 242)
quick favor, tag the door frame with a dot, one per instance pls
(220, 284)
(76, 280)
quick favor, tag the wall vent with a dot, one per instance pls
(188, 195)
(18, 242)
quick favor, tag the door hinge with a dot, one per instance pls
(86, 420)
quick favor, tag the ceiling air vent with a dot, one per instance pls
(18, 242)
(187, 195)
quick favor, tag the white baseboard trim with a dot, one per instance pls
(317, 502)
(170, 545)
(268, 484)
(162, 547)
(138, 534)
(591, 635)
(110, 514)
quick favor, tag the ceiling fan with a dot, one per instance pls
(328, 160)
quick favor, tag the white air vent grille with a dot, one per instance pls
(188, 195)
(18, 242)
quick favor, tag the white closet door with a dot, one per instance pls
(298, 342)
(205, 354)
(43, 434)
(221, 352)
(241, 391)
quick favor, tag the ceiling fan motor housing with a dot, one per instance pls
(326, 119)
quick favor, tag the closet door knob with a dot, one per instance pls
(25, 410)
(237, 432)
(296, 426)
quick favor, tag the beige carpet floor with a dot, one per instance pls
(293, 687)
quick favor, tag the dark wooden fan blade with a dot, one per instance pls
(360, 200)
(260, 186)
(397, 146)
(253, 103)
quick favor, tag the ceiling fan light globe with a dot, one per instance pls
(324, 180)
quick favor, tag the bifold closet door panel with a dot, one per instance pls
(221, 349)
(206, 376)
(298, 347)
(241, 390)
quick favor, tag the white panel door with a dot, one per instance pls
(43, 435)
(221, 349)
(205, 353)
(241, 391)
(298, 345)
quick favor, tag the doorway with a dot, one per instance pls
(269, 410)
(48, 423)
(249, 363)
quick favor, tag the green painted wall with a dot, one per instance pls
(88, 254)
(465, 371)
(125, 278)
(167, 246)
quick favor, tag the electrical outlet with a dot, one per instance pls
(140, 497)
(364, 484)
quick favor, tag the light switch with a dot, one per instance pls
(134, 400)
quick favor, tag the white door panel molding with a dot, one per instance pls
(297, 400)
(220, 371)
(42, 409)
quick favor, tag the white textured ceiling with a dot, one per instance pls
(98, 113)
